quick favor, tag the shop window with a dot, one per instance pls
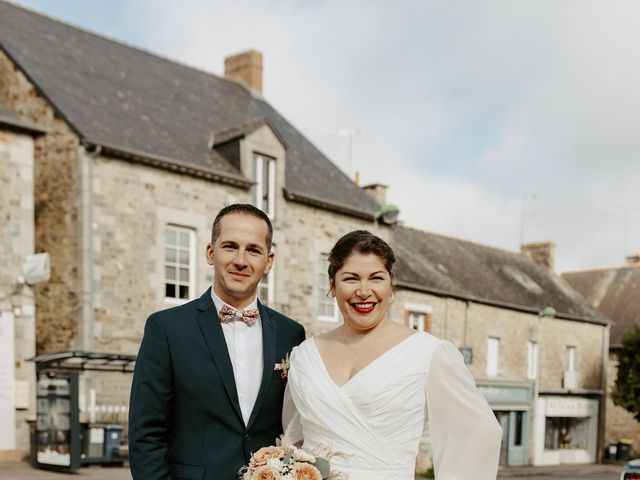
(566, 433)
(517, 440)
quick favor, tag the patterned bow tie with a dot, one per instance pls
(229, 314)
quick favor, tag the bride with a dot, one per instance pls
(362, 388)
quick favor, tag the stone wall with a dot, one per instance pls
(619, 422)
(56, 209)
(16, 301)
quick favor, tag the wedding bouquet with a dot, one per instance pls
(285, 461)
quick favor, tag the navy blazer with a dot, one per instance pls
(184, 419)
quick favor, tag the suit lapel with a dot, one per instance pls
(269, 335)
(212, 331)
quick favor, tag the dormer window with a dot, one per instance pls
(265, 188)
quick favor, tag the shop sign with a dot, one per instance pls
(570, 407)
(503, 394)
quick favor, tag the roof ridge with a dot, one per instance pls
(463, 240)
(122, 43)
(599, 269)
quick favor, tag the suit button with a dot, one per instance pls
(247, 437)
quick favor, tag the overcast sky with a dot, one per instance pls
(476, 114)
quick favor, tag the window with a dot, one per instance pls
(493, 344)
(179, 270)
(265, 187)
(327, 308)
(571, 358)
(418, 317)
(265, 287)
(517, 438)
(566, 433)
(532, 360)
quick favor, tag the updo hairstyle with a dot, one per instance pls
(359, 241)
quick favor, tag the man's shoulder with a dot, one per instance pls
(282, 320)
(176, 313)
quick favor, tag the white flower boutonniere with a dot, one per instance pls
(283, 368)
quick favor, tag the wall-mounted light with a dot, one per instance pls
(388, 214)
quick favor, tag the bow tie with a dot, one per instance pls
(229, 314)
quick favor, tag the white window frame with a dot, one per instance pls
(259, 162)
(192, 264)
(323, 290)
(533, 350)
(493, 356)
(570, 352)
(419, 312)
(269, 284)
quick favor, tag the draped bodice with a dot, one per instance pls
(377, 418)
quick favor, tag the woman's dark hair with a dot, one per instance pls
(360, 241)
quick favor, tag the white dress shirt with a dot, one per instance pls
(245, 351)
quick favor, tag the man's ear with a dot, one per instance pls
(271, 256)
(209, 253)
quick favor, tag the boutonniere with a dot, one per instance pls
(283, 367)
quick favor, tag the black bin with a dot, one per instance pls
(624, 449)
(112, 438)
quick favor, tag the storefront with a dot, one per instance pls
(565, 430)
(511, 403)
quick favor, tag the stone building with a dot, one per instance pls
(615, 292)
(138, 155)
(17, 306)
(535, 348)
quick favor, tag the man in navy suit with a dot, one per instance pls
(207, 389)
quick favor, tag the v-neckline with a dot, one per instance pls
(367, 366)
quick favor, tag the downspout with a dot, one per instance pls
(604, 397)
(86, 238)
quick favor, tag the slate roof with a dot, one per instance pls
(140, 104)
(16, 122)
(452, 267)
(613, 291)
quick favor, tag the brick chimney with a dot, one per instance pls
(377, 191)
(542, 253)
(246, 68)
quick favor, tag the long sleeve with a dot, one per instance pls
(291, 425)
(150, 405)
(465, 435)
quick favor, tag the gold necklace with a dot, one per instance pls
(366, 341)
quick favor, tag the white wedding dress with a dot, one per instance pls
(378, 416)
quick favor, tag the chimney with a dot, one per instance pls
(634, 260)
(543, 253)
(377, 191)
(246, 68)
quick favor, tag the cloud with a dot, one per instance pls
(461, 107)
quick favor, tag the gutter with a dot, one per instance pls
(169, 163)
(326, 205)
(495, 303)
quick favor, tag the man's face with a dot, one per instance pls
(239, 257)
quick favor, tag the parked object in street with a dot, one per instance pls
(631, 470)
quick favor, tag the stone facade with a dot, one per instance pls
(620, 424)
(17, 305)
(56, 198)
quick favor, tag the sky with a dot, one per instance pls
(498, 122)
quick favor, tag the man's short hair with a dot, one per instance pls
(244, 209)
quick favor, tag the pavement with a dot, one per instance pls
(24, 471)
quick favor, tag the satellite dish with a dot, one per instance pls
(37, 268)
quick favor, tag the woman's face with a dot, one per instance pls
(362, 288)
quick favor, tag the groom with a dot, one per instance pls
(207, 388)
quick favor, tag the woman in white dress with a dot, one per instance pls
(362, 388)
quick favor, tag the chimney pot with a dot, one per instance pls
(246, 68)
(543, 253)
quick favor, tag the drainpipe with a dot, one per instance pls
(86, 157)
(603, 399)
